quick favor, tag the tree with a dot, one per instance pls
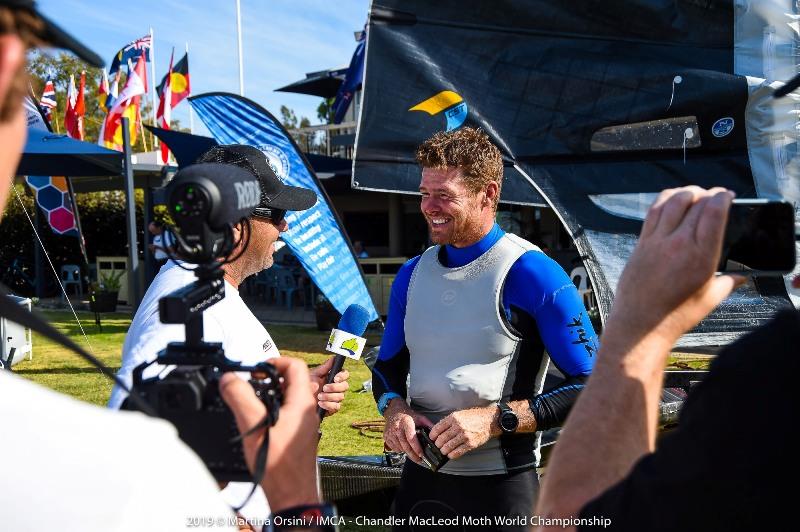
(290, 122)
(325, 110)
(288, 118)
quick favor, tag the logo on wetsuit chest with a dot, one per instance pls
(448, 297)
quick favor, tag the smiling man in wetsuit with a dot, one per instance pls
(471, 323)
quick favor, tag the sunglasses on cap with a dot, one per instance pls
(274, 216)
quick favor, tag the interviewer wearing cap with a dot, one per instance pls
(69, 465)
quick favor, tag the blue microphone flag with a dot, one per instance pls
(314, 235)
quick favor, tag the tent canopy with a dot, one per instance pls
(324, 83)
(50, 154)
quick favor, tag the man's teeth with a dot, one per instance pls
(438, 221)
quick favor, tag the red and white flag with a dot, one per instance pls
(164, 112)
(126, 104)
(76, 108)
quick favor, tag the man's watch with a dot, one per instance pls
(508, 419)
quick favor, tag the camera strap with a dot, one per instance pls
(10, 310)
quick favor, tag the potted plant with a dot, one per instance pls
(104, 293)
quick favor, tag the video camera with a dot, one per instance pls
(205, 201)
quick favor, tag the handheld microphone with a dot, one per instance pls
(346, 341)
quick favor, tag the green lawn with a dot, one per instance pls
(60, 369)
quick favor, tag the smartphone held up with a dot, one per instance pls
(759, 238)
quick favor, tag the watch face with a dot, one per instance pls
(509, 421)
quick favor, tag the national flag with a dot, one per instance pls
(102, 92)
(179, 81)
(113, 93)
(48, 100)
(126, 105)
(165, 107)
(352, 80)
(76, 108)
(130, 52)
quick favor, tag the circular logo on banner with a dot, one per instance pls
(722, 127)
(277, 161)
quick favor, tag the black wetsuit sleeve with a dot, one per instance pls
(550, 409)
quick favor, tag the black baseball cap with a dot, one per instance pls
(53, 35)
(274, 193)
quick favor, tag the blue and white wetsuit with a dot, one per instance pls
(471, 326)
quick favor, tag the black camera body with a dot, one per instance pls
(205, 200)
(188, 397)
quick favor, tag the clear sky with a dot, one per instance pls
(282, 40)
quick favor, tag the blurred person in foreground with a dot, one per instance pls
(712, 472)
(62, 467)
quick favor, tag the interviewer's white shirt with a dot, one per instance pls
(229, 321)
(69, 465)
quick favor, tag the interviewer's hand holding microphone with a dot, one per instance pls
(290, 479)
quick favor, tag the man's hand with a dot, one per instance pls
(332, 395)
(290, 478)
(399, 433)
(669, 285)
(465, 430)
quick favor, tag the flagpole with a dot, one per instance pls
(141, 127)
(153, 84)
(239, 37)
(191, 111)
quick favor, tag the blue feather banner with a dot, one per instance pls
(314, 235)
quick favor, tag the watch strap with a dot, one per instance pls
(383, 401)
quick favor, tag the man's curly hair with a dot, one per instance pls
(470, 150)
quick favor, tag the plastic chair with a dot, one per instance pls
(580, 278)
(71, 275)
(286, 286)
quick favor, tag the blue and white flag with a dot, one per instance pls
(352, 80)
(314, 235)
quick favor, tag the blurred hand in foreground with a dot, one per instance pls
(290, 478)
(667, 287)
(669, 283)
